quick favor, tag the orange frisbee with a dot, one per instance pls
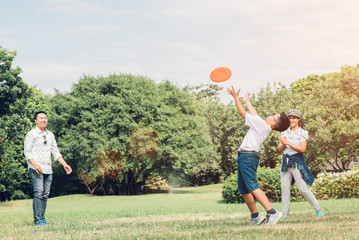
(220, 74)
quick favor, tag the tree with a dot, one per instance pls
(333, 120)
(306, 86)
(152, 128)
(188, 150)
(18, 104)
(11, 85)
(268, 101)
(207, 92)
(226, 127)
(329, 106)
(13, 170)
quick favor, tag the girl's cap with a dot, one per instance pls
(294, 112)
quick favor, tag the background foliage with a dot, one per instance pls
(18, 104)
(268, 181)
(326, 186)
(337, 185)
(120, 131)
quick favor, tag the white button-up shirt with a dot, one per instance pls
(39, 146)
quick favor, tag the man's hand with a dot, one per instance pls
(233, 92)
(67, 168)
(38, 169)
(36, 166)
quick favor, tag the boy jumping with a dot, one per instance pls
(248, 159)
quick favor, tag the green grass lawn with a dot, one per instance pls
(188, 213)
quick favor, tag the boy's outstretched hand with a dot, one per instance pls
(238, 103)
(246, 97)
(233, 92)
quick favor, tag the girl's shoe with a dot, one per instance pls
(285, 215)
(320, 213)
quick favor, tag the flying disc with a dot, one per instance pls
(220, 74)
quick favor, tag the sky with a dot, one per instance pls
(277, 41)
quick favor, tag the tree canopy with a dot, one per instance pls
(18, 103)
(119, 131)
(136, 126)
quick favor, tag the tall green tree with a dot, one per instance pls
(329, 106)
(270, 100)
(152, 128)
(18, 104)
(333, 120)
(12, 87)
(225, 126)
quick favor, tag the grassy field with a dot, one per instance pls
(188, 213)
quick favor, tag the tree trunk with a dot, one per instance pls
(93, 189)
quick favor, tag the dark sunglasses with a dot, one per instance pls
(45, 141)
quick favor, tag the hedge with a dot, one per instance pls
(327, 185)
(337, 185)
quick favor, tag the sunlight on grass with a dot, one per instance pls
(188, 213)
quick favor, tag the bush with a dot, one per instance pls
(230, 193)
(337, 185)
(18, 195)
(156, 184)
(268, 181)
(355, 167)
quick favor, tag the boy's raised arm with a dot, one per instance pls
(239, 105)
(251, 109)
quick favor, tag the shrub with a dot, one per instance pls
(337, 185)
(230, 193)
(156, 184)
(355, 167)
(268, 181)
(18, 195)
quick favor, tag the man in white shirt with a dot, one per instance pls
(248, 158)
(39, 144)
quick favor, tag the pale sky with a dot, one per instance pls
(57, 41)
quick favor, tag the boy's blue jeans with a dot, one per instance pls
(41, 184)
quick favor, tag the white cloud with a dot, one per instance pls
(82, 8)
(261, 41)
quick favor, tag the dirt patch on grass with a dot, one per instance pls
(11, 204)
(175, 218)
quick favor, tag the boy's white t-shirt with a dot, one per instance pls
(258, 132)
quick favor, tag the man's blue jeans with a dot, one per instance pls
(41, 184)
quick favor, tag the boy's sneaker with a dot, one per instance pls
(285, 215)
(44, 222)
(273, 218)
(320, 213)
(258, 220)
